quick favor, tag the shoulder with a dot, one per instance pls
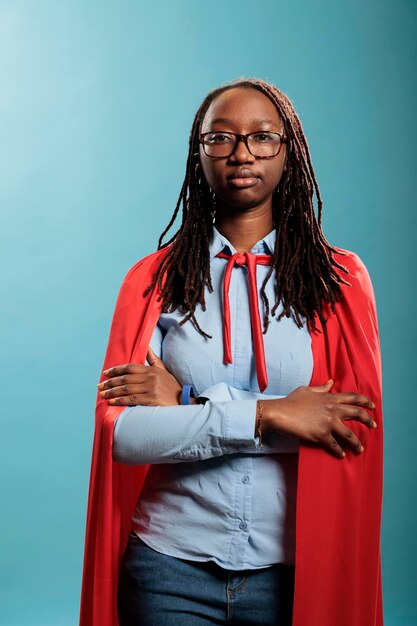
(145, 268)
(358, 275)
(140, 276)
(358, 296)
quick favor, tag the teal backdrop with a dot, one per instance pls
(96, 104)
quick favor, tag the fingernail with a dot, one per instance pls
(102, 394)
(106, 372)
(343, 455)
(100, 385)
(362, 449)
(374, 424)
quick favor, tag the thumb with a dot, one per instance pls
(324, 388)
(154, 360)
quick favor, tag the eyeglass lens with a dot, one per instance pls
(260, 144)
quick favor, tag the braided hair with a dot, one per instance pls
(303, 259)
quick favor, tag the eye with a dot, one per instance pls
(265, 137)
(218, 138)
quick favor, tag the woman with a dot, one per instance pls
(225, 529)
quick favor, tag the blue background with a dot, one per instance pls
(96, 104)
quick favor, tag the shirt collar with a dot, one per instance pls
(219, 242)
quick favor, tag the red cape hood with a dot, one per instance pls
(337, 568)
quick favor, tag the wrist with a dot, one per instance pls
(259, 421)
(187, 397)
(272, 418)
(186, 393)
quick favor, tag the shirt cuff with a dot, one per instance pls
(239, 425)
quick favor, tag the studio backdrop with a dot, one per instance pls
(96, 105)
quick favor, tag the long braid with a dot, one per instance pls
(303, 261)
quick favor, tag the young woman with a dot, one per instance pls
(245, 457)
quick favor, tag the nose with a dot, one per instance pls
(241, 153)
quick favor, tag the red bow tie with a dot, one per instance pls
(251, 260)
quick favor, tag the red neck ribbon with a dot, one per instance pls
(251, 260)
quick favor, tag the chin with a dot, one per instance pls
(240, 201)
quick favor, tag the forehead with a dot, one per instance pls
(241, 106)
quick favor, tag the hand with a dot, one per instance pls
(316, 415)
(133, 384)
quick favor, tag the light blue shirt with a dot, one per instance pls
(211, 492)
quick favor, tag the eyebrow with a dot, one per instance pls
(224, 120)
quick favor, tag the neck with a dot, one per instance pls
(244, 228)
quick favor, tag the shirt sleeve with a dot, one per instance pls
(272, 442)
(165, 434)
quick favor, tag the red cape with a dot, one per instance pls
(337, 568)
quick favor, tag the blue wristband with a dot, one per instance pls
(187, 390)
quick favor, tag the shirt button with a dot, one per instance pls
(245, 480)
(243, 525)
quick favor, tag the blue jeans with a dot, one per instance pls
(160, 590)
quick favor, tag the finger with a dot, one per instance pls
(117, 381)
(130, 400)
(114, 381)
(354, 398)
(348, 438)
(350, 412)
(155, 360)
(332, 446)
(323, 388)
(151, 356)
(124, 390)
(120, 370)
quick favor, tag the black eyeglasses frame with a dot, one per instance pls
(239, 137)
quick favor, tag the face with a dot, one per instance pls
(242, 180)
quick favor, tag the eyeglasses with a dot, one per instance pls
(261, 144)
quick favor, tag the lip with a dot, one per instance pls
(242, 183)
(242, 173)
(242, 178)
